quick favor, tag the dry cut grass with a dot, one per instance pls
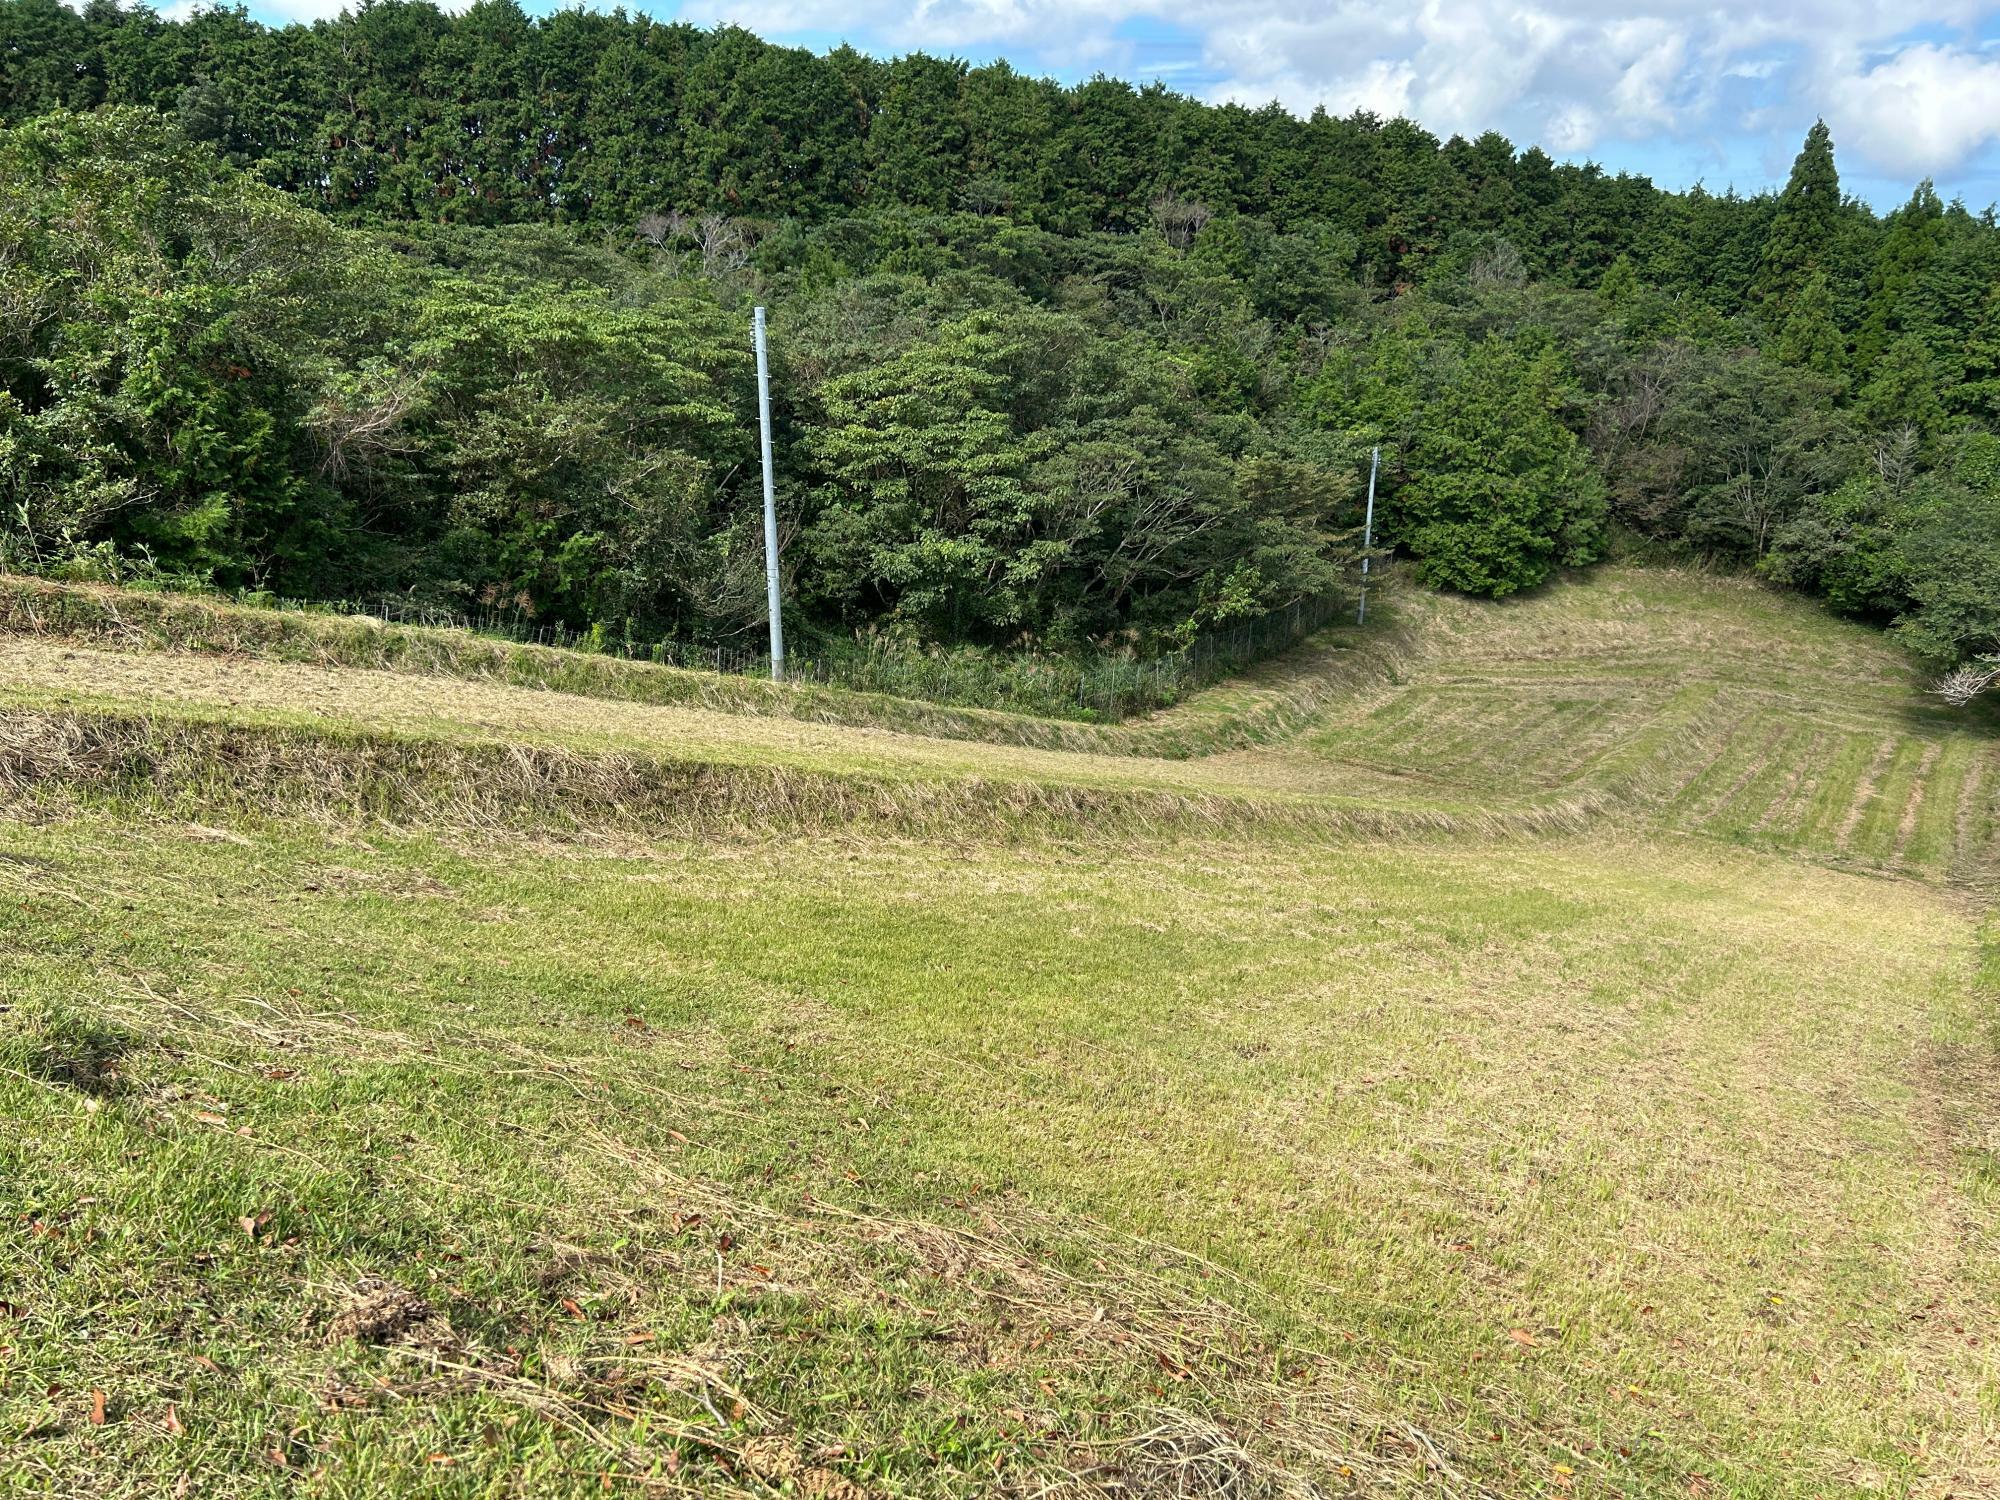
(725, 1165)
(417, 1082)
(1709, 705)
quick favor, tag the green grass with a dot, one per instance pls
(1724, 709)
(767, 1107)
(1265, 702)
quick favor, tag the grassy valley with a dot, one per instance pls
(1541, 1044)
(1547, 1047)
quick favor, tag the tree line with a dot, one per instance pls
(455, 305)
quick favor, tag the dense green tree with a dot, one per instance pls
(1903, 390)
(398, 109)
(1726, 448)
(1947, 552)
(1978, 395)
(47, 59)
(766, 129)
(1487, 484)
(916, 139)
(1108, 171)
(1841, 545)
(1013, 472)
(1917, 547)
(154, 365)
(1804, 225)
(1810, 338)
(625, 116)
(1057, 362)
(579, 442)
(1914, 235)
(1010, 122)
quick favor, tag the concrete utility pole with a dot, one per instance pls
(1367, 533)
(770, 503)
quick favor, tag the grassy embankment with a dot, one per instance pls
(1546, 1055)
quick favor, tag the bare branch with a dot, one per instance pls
(1961, 685)
(1179, 219)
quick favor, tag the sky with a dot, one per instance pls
(1681, 90)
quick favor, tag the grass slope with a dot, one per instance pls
(145, 621)
(1789, 730)
(436, 1085)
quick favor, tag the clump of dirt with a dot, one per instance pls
(381, 1312)
(776, 1461)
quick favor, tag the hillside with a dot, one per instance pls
(1137, 406)
(1541, 1047)
(1693, 703)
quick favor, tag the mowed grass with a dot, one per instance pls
(1263, 704)
(1509, 1071)
(1602, 1169)
(1639, 696)
(1718, 707)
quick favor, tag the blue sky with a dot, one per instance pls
(1682, 90)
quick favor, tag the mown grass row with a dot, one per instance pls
(1901, 797)
(1266, 703)
(197, 763)
(1711, 705)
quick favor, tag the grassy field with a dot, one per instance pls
(1788, 731)
(1547, 1049)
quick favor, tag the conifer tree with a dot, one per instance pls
(916, 137)
(1810, 338)
(1915, 232)
(1620, 284)
(1980, 393)
(1902, 391)
(1803, 229)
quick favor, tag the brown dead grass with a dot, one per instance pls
(397, 702)
(377, 1311)
(268, 769)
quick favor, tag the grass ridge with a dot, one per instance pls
(189, 763)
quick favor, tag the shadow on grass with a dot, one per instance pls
(68, 1048)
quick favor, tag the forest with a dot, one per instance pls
(456, 307)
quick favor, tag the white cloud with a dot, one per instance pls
(1568, 73)
(1382, 87)
(1919, 111)
(1649, 87)
(1571, 128)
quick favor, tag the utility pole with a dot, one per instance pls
(1367, 530)
(770, 503)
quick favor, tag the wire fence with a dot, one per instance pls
(1107, 687)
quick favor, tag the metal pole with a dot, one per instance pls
(770, 504)
(1367, 533)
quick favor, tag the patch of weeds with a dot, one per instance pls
(1982, 1172)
